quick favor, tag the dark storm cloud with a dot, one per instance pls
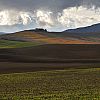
(91, 2)
(45, 4)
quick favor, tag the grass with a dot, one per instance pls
(16, 44)
(72, 84)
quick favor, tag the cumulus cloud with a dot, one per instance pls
(71, 17)
(11, 17)
(44, 18)
(54, 15)
(82, 16)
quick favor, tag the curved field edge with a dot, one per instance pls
(72, 84)
(16, 44)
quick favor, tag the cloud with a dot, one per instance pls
(54, 5)
(44, 18)
(22, 19)
(12, 17)
(75, 17)
(54, 15)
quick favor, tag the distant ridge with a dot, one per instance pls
(2, 33)
(89, 29)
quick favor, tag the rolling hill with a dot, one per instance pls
(91, 33)
(27, 38)
(52, 37)
(33, 50)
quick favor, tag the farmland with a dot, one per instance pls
(16, 44)
(50, 72)
(49, 38)
(49, 57)
(71, 84)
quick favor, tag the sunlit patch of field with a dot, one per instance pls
(51, 40)
(63, 41)
(72, 84)
(16, 44)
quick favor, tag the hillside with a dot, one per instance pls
(16, 44)
(95, 28)
(49, 37)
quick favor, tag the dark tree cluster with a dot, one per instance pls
(40, 30)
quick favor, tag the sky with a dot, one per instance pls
(53, 15)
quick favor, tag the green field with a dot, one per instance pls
(16, 44)
(71, 84)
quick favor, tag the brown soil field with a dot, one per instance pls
(49, 57)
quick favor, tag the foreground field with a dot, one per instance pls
(71, 84)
